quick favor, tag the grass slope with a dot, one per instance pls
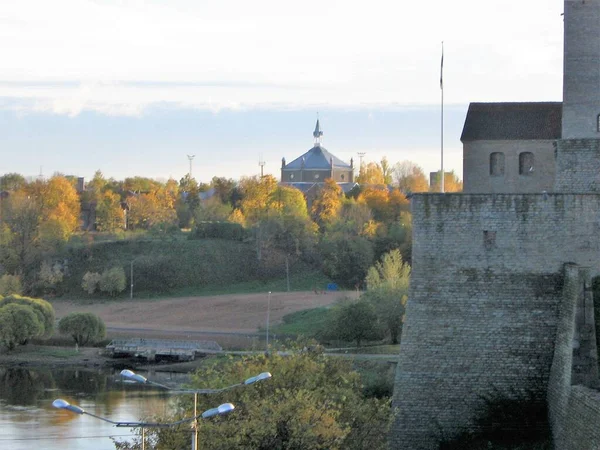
(186, 267)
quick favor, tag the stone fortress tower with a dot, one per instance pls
(500, 297)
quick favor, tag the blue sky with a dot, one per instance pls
(132, 87)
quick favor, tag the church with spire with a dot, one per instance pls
(315, 166)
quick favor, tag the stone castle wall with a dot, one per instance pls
(486, 286)
(476, 167)
(578, 165)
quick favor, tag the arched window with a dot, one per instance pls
(497, 164)
(526, 163)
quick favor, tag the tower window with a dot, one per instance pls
(489, 239)
(526, 163)
(497, 164)
(342, 176)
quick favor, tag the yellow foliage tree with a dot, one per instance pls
(328, 203)
(451, 182)
(410, 177)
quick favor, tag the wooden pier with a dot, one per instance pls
(153, 349)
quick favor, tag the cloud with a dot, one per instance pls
(122, 57)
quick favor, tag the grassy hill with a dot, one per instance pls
(186, 267)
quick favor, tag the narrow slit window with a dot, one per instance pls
(497, 164)
(598, 123)
(526, 163)
(489, 239)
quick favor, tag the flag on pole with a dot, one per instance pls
(442, 68)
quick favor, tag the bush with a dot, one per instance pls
(10, 284)
(219, 230)
(41, 308)
(90, 282)
(353, 321)
(50, 276)
(113, 281)
(18, 324)
(83, 327)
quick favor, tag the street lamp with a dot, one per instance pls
(268, 318)
(136, 378)
(221, 409)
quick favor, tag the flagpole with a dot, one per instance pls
(442, 117)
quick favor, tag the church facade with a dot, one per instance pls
(316, 165)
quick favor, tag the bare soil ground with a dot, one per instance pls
(235, 313)
(231, 320)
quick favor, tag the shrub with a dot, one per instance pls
(41, 308)
(353, 321)
(10, 284)
(18, 324)
(90, 282)
(219, 230)
(113, 281)
(83, 327)
(50, 276)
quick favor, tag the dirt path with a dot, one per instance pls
(235, 313)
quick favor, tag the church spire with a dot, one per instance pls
(317, 134)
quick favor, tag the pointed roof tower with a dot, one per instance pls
(317, 134)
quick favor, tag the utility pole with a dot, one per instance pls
(261, 163)
(360, 157)
(191, 158)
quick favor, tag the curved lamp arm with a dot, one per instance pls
(220, 410)
(132, 376)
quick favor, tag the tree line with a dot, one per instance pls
(343, 233)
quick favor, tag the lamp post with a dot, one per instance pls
(136, 378)
(268, 319)
(221, 409)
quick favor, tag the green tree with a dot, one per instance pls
(113, 281)
(84, 328)
(41, 308)
(10, 284)
(353, 321)
(346, 261)
(387, 290)
(12, 182)
(90, 282)
(18, 324)
(312, 402)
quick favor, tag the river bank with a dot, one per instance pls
(42, 356)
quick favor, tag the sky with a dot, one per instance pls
(132, 87)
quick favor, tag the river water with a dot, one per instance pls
(28, 420)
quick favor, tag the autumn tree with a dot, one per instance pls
(328, 203)
(409, 177)
(373, 173)
(109, 213)
(312, 402)
(256, 196)
(451, 182)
